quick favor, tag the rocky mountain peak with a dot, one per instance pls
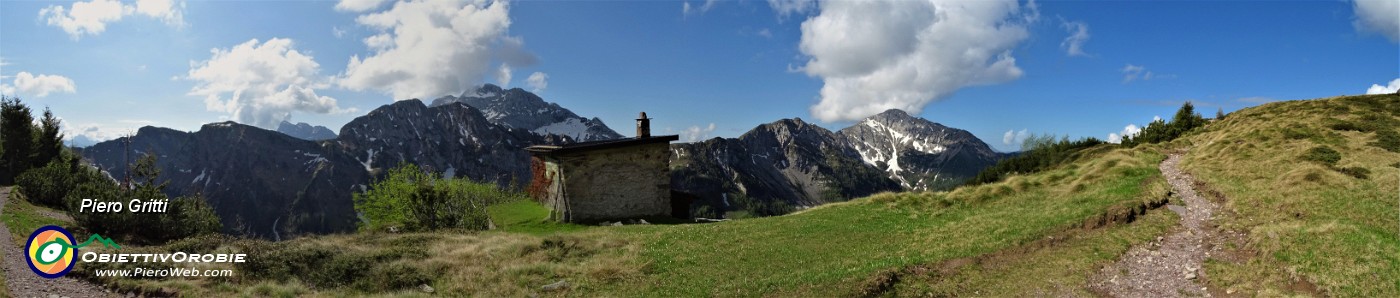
(305, 131)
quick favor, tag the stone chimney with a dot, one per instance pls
(643, 126)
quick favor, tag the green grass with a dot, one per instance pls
(23, 218)
(830, 250)
(824, 251)
(1331, 224)
(529, 217)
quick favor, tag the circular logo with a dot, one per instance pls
(50, 252)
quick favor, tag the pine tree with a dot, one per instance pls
(17, 129)
(50, 142)
(1219, 113)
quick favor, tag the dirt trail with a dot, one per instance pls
(1171, 265)
(24, 283)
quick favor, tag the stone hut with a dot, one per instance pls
(605, 180)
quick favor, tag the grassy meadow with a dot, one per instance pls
(1309, 186)
(981, 237)
(1314, 219)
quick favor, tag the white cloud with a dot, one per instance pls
(337, 32)
(92, 17)
(1078, 35)
(434, 48)
(765, 33)
(1137, 72)
(38, 85)
(261, 84)
(93, 133)
(1014, 138)
(1388, 89)
(169, 11)
(358, 5)
(1128, 131)
(686, 9)
(1382, 16)
(919, 52)
(695, 133)
(537, 81)
(503, 75)
(786, 8)
(85, 17)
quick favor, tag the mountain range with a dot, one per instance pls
(300, 180)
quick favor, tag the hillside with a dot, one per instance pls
(1308, 219)
(1291, 221)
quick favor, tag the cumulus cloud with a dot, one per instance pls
(261, 84)
(169, 11)
(537, 81)
(695, 133)
(503, 75)
(38, 85)
(1388, 89)
(1381, 16)
(358, 5)
(919, 52)
(1128, 131)
(786, 8)
(1014, 138)
(1078, 35)
(92, 17)
(433, 48)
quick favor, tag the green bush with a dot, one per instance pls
(1042, 152)
(745, 206)
(1323, 155)
(1358, 172)
(183, 217)
(47, 186)
(421, 201)
(1387, 139)
(1185, 120)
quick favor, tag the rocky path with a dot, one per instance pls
(24, 283)
(1171, 265)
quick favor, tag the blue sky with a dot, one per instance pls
(717, 68)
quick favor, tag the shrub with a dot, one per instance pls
(1346, 126)
(1358, 172)
(46, 186)
(421, 201)
(1323, 155)
(746, 206)
(183, 217)
(1185, 120)
(1387, 139)
(1042, 152)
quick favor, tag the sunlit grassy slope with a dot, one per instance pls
(1041, 233)
(1311, 185)
(1312, 217)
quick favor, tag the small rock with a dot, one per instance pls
(559, 285)
(1159, 238)
(425, 288)
(1229, 291)
(617, 224)
(1192, 276)
(642, 222)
